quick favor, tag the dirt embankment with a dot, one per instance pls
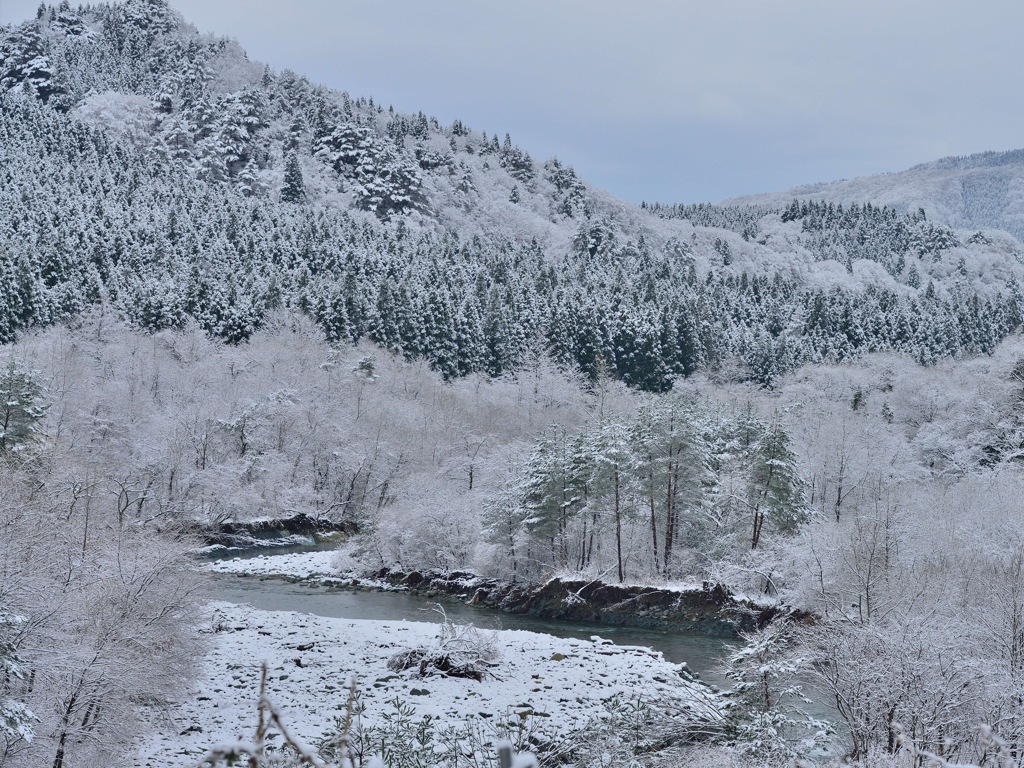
(258, 533)
(712, 610)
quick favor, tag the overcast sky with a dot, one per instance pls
(670, 100)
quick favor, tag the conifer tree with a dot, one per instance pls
(776, 490)
(21, 408)
(294, 189)
(768, 722)
(15, 718)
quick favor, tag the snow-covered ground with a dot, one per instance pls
(559, 682)
(315, 567)
(296, 565)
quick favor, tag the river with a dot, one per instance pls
(702, 654)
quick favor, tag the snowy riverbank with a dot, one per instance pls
(552, 685)
(314, 566)
(706, 609)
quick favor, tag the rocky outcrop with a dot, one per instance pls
(259, 533)
(710, 610)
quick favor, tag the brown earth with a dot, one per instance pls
(711, 610)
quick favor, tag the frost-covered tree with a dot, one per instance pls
(294, 189)
(902, 677)
(613, 484)
(16, 719)
(673, 471)
(658, 491)
(21, 408)
(775, 495)
(767, 719)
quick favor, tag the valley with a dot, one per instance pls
(230, 295)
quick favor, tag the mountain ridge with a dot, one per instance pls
(979, 191)
(228, 294)
(159, 171)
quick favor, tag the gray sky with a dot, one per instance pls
(671, 100)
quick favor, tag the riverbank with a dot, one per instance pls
(298, 529)
(541, 688)
(707, 609)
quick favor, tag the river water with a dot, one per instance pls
(702, 654)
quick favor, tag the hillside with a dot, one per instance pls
(228, 294)
(162, 173)
(982, 191)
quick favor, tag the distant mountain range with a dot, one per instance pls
(982, 191)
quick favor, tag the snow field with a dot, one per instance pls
(311, 661)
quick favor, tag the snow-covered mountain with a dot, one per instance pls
(160, 172)
(228, 294)
(982, 191)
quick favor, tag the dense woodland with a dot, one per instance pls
(140, 236)
(231, 294)
(159, 191)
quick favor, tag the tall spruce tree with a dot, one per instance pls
(294, 189)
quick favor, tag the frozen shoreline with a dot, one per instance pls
(707, 609)
(310, 566)
(560, 683)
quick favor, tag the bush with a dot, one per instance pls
(461, 651)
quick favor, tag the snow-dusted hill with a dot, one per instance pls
(161, 172)
(983, 191)
(229, 293)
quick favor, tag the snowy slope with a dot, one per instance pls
(983, 191)
(161, 172)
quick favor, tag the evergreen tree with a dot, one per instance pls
(767, 721)
(673, 461)
(614, 475)
(21, 408)
(775, 494)
(553, 495)
(294, 189)
(15, 718)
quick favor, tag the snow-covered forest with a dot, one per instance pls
(203, 186)
(981, 190)
(229, 294)
(881, 497)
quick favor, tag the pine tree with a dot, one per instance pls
(294, 189)
(776, 490)
(672, 466)
(614, 473)
(552, 494)
(21, 408)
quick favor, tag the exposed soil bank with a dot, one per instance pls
(260, 533)
(712, 610)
